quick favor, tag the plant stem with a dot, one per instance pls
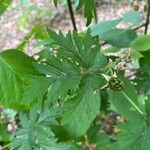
(72, 14)
(95, 12)
(134, 105)
(147, 18)
(6, 146)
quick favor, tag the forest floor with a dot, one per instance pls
(19, 19)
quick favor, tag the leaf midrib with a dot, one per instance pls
(5, 62)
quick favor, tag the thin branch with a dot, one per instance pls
(138, 27)
(95, 12)
(147, 18)
(72, 14)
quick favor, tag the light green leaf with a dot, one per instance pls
(102, 27)
(119, 37)
(133, 17)
(14, 65)
(141, 43)
(82, 110)
(136, 55)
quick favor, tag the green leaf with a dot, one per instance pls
(89, 9)
(35, 90)
(133, 17)
(136, 55)
(63, 76)
(4, 4)
(101, 140)
(120, 101)
(147, 106)
(143, 74)
(64, 146)
(81, 50)
(4, 136)
(82, 110)
(141, 43)
(38, 32)
(102, 27)
(35, 131)
(131, 134)
(100, 61)
(14, 65)
(119, 37)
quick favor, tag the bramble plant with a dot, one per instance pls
(59, 96)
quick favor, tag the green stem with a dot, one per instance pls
(6, 146)
(134, 105)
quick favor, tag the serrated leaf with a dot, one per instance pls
(89, 9)
(82, 110)
(141, 43)
(14, 65)
(130, 135)
(133, 17)
(35, 131)
(81, 50)
(36, 89)
(63, 76)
